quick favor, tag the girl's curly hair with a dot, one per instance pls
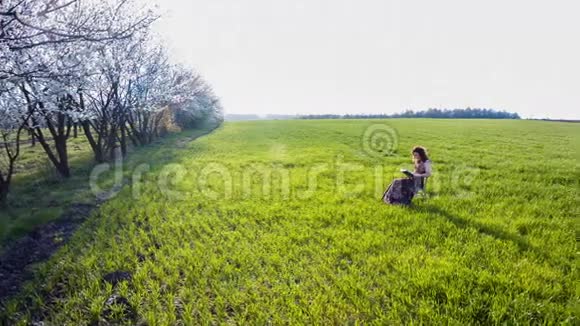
(422, 153)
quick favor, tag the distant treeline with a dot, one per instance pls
(468, 113)
(242, 117)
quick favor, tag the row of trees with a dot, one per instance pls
(69, 66)
(468, 113)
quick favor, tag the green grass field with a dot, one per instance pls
(280, 222)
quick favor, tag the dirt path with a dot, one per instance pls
(37, 246)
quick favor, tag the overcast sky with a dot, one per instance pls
(379, 56)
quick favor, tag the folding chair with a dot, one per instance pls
(422, 187)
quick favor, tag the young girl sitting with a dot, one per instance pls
(402, 191)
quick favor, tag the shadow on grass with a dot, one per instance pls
(494, 231)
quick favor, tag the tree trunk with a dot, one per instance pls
(60, 162)
(123, 140)
(61, 148)
(32, 138)
(12, 154)
(4, 189)
(97, 150)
